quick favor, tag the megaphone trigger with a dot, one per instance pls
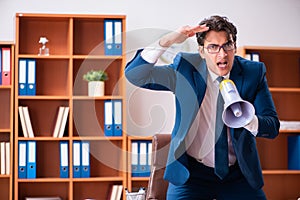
(237, 112)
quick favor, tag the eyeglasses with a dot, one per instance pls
(214, 49)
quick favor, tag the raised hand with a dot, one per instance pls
(181, 34)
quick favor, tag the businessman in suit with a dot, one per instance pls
(193, 169)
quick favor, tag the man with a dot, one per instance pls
(193, 164)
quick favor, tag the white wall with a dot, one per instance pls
(259, 22)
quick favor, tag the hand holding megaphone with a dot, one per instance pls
(237, 112)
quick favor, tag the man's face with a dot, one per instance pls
(221, 62)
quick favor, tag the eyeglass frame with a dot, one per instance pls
(220, 47)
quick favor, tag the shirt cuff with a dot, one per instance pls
(152, 53)
(253, 126)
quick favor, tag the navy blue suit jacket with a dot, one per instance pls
(186, 77)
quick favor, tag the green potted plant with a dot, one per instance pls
(95, 79)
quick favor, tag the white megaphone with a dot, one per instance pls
(237, 112)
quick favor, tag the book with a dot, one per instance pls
(63, 122)
(7, 158)
(60, 113)
(28, 121)
(23, 123)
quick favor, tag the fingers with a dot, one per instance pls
(190, 31)
(195, 29)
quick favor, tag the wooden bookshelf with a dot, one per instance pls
(283, 75)
(76, 45)
(6, 124)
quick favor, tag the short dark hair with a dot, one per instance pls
(217, 23)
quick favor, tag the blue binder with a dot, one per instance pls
(294, 152)
(134, 159)
(85, 159)
(31, 77)
(117, 117)
(76, 159)
(22, 77)
(22, 172)
(64, 159)
(31, 159)
(143, 159)
(113, 37)
(108, 118)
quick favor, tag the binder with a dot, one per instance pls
(31, 159)
(63, 122)
(255, 57)
(23, 123)
(117, 117)
(294, 152)
(2, 158)
(58, 121)
(113, 37)
(149, 157)
(76, 159)
(6, 66)
(28, 122)
(7, 158)
(143, 159)
(22, 77)
(108, 118)
(134, 159)
(31, 73)
(64, 159)
(22, 171)
(85, 159)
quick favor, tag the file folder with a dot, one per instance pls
(31, 159)
(31, 73)
(143, 159)
(6, 66)
(134, 158)
(117, 117)
(108, 118)
(85, 159)
(64, 159)
(76, 159)
(22, 172)
(22, 76)
(113, 37)
(294, 152)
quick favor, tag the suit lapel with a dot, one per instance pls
(236, 75)
(200, 80)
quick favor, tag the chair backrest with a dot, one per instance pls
(157, 186)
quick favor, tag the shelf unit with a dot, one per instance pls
(134, 183)
(6, 124)
(283, 75)
(76, 45)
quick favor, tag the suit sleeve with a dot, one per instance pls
(268, 122)
(146, 75)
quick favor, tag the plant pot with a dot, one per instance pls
(96, 88)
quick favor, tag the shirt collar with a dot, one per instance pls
(215, 76)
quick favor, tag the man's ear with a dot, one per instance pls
(201, 51)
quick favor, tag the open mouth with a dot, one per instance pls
(222, 64)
